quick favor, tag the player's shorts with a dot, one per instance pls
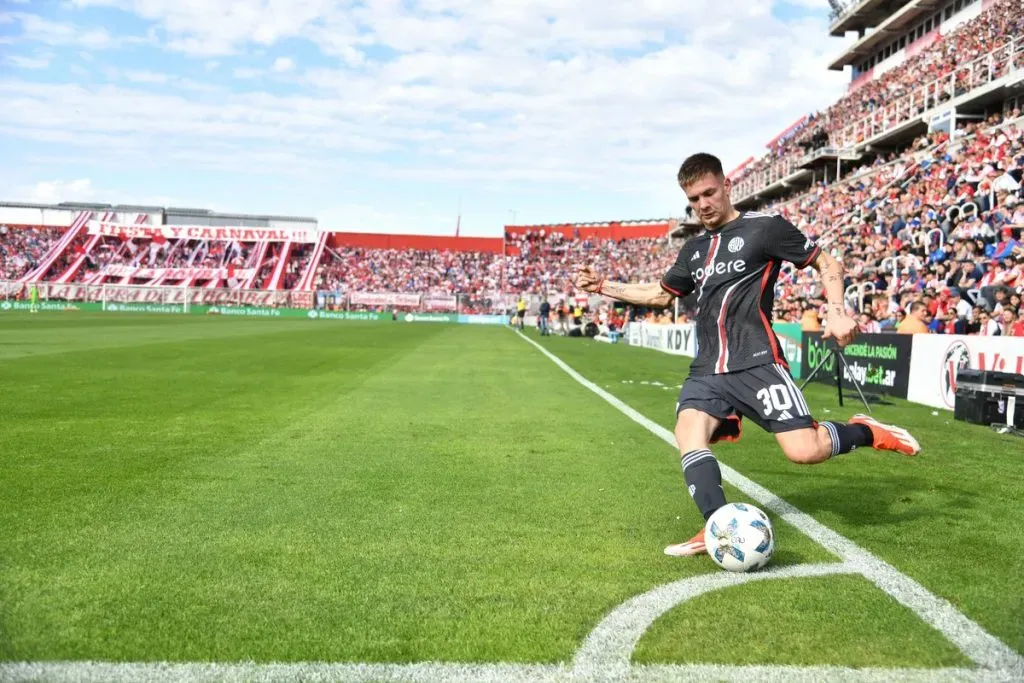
(521, 314)
(766, 394)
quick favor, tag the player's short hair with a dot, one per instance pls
(696, 166)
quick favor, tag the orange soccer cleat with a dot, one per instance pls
(888, 437)
(695, 546)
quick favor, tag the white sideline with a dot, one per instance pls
(978, 645)
(315, 672)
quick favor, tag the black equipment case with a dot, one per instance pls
(989, 398)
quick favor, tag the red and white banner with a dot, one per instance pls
(789, 131)
(383, 299)
(167, 295)
(935, 360)
(439, 303)
(178, 273)
(201, 232)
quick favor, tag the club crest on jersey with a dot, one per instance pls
(735, 244)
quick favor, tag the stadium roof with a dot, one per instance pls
(143, 208)
(859, 15)
(889, 29)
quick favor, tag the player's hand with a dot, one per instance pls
(588, 280)
(841, 328)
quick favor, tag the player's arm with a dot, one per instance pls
(649, 294)
(832, 279)
(785, 242)
(677, 282)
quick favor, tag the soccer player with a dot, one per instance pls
(33, 298)
(740, 369)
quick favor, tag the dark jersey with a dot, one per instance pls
(732, 271)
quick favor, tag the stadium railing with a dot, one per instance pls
(963, 81)
(958, 87)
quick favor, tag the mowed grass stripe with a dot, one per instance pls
(343, 493)
(26, 335)
(814, 630)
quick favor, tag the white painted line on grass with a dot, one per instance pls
(809, 674)
(978, 645)
(607, 652)
(315, 672)
(251, 672)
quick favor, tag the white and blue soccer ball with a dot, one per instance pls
(739, 537)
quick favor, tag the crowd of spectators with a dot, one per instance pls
(408, 271)
(935, 235)
(944, 69)
(22, 249)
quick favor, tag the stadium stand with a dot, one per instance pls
(22, 248)
(931, 70)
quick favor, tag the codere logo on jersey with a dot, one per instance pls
(737, 266)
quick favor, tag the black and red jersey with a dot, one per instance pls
(732, 271)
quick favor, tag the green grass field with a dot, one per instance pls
(206, 489)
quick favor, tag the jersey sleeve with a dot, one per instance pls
(678, 280)
(785, 242)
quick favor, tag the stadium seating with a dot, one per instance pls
(23, 248)
(907, 227)
(974, 54)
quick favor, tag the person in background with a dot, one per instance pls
(543, 318)
(987, 327)
(916, 321)
(1013, 325)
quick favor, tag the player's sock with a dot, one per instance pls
(847, 437)
(704, 480)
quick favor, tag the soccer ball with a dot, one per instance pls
(739, 537)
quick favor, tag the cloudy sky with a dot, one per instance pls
(386, 115)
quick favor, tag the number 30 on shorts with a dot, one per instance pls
(775, 398)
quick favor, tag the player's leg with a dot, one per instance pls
(779, 406)
(702, 418)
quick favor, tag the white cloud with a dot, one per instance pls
(567, 94)
(53, 191)
(207, 27)
(246, 73)
(283, 64)
(144, 76)
(35, 28)
(366, 218)
(22, 62)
